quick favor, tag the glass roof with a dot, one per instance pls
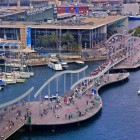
(9, 43)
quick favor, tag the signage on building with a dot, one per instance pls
(38, 10)
(28, 37)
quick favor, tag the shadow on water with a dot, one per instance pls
(46, 131)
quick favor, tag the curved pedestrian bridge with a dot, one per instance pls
(77, 105)
(65, 110)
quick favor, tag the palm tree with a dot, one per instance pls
(76, 47)
(53, 39)
(67, 38)
(41, 40)
(48, 40)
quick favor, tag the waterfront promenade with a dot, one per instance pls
(130, 63)
(81, 103)
(55, 113)
(128, 45)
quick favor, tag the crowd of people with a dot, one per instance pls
(18, 116)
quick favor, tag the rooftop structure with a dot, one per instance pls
(8, 45)
(87, 28)
(87, 31)
(130, 9)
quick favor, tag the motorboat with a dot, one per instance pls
(80, 62)
(31, 73)
(11, 74)
(24, 74)
(65, 65)
(136, 17)
(1, 87)
(55, 65)
(20, 80)
(2, 82)
(9, 80)
(139, 91)
(16, 65)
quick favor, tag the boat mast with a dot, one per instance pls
(60, 38)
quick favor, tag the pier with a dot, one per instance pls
(77, 110)
(79, 104)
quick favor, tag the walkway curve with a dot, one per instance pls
(92, 77)
(120, 34)
(17, 99)
(56, 75)
(132, 37)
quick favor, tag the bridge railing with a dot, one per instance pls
(55, 76)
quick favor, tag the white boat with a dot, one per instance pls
(11, 74)
(20, 80)
(9, 80)
(139, 91)
(80, 62)
(64, 65)
(55, 65)
(15, 65)
(2, 82)
(24, 74)
(31, 73)
(1, 87)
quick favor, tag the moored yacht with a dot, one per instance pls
(136, 17)
(2, 82)
(55, 65)
(24, 74)
(9, 80)
(80, 62)
(65, 65)
(20, 80)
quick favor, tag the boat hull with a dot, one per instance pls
(134, 17)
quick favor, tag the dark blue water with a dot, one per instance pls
(119, 118)
(42, 74)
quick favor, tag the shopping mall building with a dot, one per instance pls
(88, 30)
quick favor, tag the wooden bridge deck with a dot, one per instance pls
(84, 107)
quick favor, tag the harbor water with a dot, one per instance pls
(119, 118)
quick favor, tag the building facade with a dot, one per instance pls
(86, 36)
(79, 9)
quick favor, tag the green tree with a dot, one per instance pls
(67, 38)
(49, 41)
(53, 39)
(137, 31)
